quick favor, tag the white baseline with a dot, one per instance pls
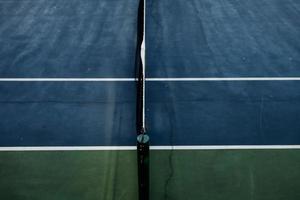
(122, 148)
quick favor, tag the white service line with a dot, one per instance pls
(67, 79)
(228, 79)
(112, 148)
(68, 148)
(221, 147)
(199, 79)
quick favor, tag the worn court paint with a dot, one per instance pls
(67, 38)
(223, 38)
(207, 175)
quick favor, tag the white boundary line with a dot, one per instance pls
(114, 148)
(149, 79)
(228, 79)
(222, 147)
(67, 79)
(68, 148)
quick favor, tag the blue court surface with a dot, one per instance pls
(230, 38)
(67, 113)
(97, 39)
(67, 38)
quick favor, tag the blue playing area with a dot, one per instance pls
(217, 38)
(224, 113)
(67, 113)
(63, 39)
(67, 38)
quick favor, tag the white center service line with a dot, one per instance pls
(149, 79)
(114, 148)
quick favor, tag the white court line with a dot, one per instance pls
(67, 79)
(228, 147)
(228, 79)
(149, 79)
(105, 148)
(68, 148)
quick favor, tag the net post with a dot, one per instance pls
(143, 166)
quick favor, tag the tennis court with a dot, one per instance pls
(222, 99)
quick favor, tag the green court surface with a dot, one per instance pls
(110, 175)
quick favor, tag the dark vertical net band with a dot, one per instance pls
(142, 138)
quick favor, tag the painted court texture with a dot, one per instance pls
(222, 99)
